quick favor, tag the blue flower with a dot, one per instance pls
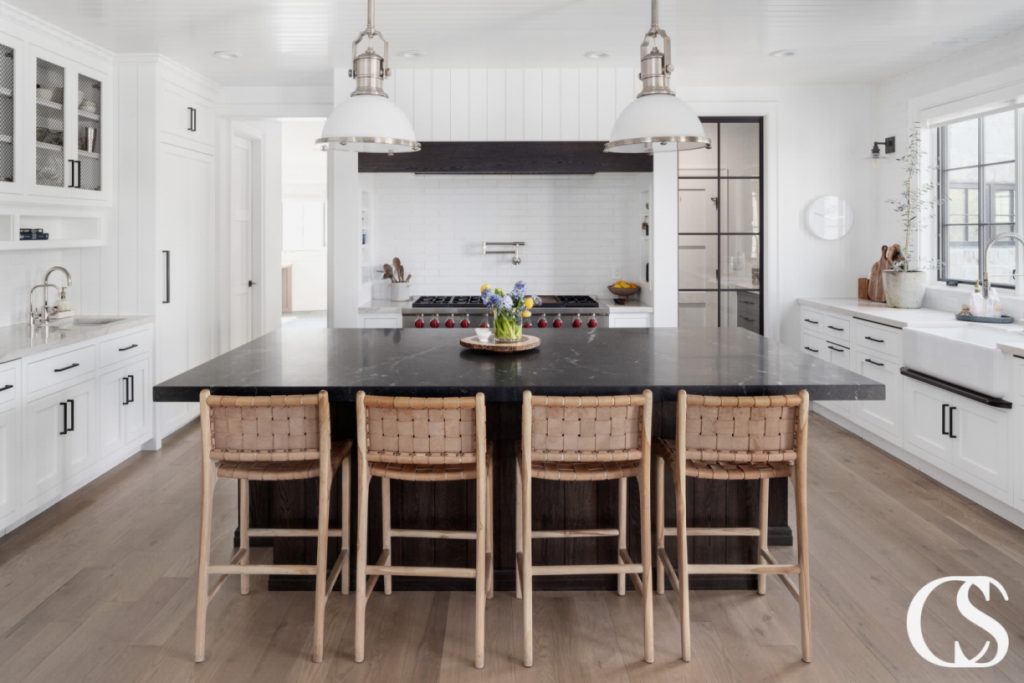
(507, 303)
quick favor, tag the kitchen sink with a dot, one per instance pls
(93, 322)
(967, 355)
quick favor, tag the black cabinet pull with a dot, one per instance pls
(66, 367)
(71, 405)
(129, 347)
(131, 387)
(835, 348)
(837, 329)
(877, 341)
(124, 383)
(6, 387)
(192, 120)
(64, 424)
(811, 350)
(951, 434)
(945, 429)
(78, 174)
(167, 276)
(808, 320)
(874, 362)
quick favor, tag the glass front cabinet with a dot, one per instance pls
(54, 126)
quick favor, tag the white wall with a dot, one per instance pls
(582, 232)
(304, 177)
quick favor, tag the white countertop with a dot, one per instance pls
(18, 341)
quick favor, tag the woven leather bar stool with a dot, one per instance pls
(271, 438)
(424, 440)
(737, 439)
(585, 439)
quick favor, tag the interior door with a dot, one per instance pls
(242, 226)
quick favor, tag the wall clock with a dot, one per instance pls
(829, 217)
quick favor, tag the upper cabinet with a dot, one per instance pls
(186, 112)
(55, 126)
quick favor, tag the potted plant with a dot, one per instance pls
(905, 282)
(507, 310)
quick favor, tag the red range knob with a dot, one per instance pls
(557, 323)
(484, 324)
(464, 323)
(527, 323)
(449, 323)
(419, 322)
(592, 322)
(577, 323)
(435, 323)
(542, 323)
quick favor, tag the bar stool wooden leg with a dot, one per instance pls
(385, 526)
(623, 502)
(762, 545)
(659, 513)
(361, 533)
(684, 568)
(803, 558)
(209, 478)
(346, 523)
(527, 569)
(490, 528)
(645, 533)
(481, 563)
(519, 529)
(323, 518)
(243, 531)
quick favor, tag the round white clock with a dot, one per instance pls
(829, 217)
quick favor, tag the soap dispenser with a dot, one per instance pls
(63, 305)
(995, 306)
(977, 301)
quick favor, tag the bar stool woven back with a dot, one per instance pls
(421, 431)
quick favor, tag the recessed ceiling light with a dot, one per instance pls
(227, 54)
(782, 53)
(411, 54)
(594, 54)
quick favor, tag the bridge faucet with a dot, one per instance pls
(40, 316)
(46, 281)
(984, 260)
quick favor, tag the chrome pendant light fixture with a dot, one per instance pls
(368, 121)
(657, 120)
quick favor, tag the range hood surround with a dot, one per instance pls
(508, 158)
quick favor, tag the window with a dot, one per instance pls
(978, 178)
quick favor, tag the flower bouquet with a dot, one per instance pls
(508, 310)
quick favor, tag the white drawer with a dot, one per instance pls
(60, 369)
(873, 338)
(814, 345)
(836, 328)
(812, 321)
(10, 383)
(132, 345)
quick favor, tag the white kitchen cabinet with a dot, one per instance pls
(1017, 435)
(186, 116)
(123, 414)
(58, 433)
(881, 417)
(12, 130)
(380, 321)
(619, 318)
(12, 459)
(982, 456)
(926, 423)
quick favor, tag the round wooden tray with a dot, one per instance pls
(525, 344)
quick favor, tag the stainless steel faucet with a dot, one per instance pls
(39, 316)
(984, 261)
(46, 281)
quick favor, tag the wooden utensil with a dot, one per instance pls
(389, 274)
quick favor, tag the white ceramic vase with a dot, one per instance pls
(904, 288)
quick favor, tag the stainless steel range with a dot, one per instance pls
(562, 311)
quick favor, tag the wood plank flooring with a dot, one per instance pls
(101, 588)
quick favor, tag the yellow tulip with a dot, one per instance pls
(527, 314)
(483, 287)
(528, 302)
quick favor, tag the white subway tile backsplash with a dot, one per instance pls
(582, 232)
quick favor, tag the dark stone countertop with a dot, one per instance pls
(416, 362)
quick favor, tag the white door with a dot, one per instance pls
(11, 459)
(244, 216)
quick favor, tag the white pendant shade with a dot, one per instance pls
(369, 123)
(657, 123)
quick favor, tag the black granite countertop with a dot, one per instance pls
(416, 362)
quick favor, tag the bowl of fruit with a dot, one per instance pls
(623, 290)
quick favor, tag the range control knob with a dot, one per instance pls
(419, 322)
(543, 322)
(592, 323)
(558, 321)
(450, 322)
(527, 323)
(435, 323)
(484, 323)
(464, 323)
(577, 321)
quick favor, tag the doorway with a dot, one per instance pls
(246, 214)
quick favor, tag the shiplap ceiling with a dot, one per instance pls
(295, 42)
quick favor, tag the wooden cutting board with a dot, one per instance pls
(525, 344)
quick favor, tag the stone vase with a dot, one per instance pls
(905, 288)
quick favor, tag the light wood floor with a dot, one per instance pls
(101, 588)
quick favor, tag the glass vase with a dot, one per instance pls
(508, 326)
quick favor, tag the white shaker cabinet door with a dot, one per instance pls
(12, 461)
(982, 457)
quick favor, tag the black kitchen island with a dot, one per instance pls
(414, 362)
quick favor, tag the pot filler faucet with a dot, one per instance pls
(984, 261)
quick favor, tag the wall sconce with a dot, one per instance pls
(889, 144)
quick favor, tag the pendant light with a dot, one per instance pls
(657, 120)
(368, 121)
